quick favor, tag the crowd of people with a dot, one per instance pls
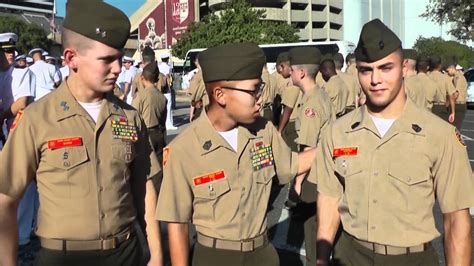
(368, 151)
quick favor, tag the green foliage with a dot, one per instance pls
(446, 49)
(237, 22)
(458, 12)
(29, 36)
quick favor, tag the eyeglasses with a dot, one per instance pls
(256, 93)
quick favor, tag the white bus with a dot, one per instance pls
(273, 50)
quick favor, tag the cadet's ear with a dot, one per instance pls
(70, 57)
(405, 67)
(218, 95)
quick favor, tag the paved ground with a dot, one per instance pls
(285, 233)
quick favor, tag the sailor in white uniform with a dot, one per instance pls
(47, 76)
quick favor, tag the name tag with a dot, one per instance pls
(207, 178)
(62, 143)
(346, 151)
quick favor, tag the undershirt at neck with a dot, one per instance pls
(382, 124)
(231, 137)
(93, 109)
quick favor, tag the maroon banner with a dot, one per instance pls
(151, 30)
(179, 14)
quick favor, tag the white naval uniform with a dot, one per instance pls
(46, 76)
(64, 72)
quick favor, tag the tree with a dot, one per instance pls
(458, 12)
(237, 22)
(29, 35)
(445, 49)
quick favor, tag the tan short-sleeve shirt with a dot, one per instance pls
(338, 93)
(268, 93)
(415, 90)
(151, 105)
(353, 86)
(460, 83)
(223, 192)
(197, 89)
(387, 186)
(445, 85)
(90, 176)
(291, 97)
(314, 115)
(430, 87)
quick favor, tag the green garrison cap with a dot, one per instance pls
(233, 61)
(305, 55)
(376, 41)
(283, 57)
(410, 54)
(98, 21)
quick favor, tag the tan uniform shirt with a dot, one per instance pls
(445, 86)
(319, 80)
(290, 96)
(430, 88)
(414, 88)
(90, 175)
(225, 192)
(338, 93)
(151, 105)
(137, 84)
(352, 70)
(278, 83)
(315, 114)
(460, 83)
(268, 94)
(353, 86)
(197, 89)
(387, 186)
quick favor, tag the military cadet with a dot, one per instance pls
(290, 98)
(151, 105)
(414, 87)
(20, 61)
(197, 89)
(351, 65)
(430, 87)
(315, 114)
(268, 95)
(91, 163)
(380, 169)
(238, 152)
(351, 81)
(460, 83)
(335, 87)
(126, 77)
(47, 76)
(444, 105)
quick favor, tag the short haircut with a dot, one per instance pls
(310, 69)
(329, 64)
(71, 39)
(148, 58)
(350, 57)
(338, 60)
(422, 66)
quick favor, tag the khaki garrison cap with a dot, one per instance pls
(98, 21)
(410, 54)
(376, 41)
(283, 57)
(233, 61)
(305, 55)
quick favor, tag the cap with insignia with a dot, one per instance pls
(410, 54)
(233, 61)
(304, 55)
(36, 50)
(98, 21)
(376, 41)
(283, 57)
(8, 40)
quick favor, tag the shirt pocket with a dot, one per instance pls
(66, 178)
(124, 151)
(265, 175)
(212, 190)
(349, 171)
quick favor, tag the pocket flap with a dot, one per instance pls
(212, 190)
(347, 167)
(408, 173)
(67, 158)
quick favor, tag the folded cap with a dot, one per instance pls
(376, 41)
(233, 61)
(35, 50)
(8, 40)
(283, 57)
(305, 55)
(98, 21)
(410, 54)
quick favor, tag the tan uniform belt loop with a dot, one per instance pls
(243, 245)
(82, 245)
(390, 250)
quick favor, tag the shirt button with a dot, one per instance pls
(408, 179)
(102, 216)
(101, 188)
(372, 227)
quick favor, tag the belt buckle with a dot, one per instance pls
(105, 243)
(245, 241)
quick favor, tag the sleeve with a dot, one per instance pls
(453, 178)
(322, 170)
(19, 158)
(286, 161)
(56, 76)
(290, 96)
(175, 203)
(310, 126)
(145, 112)
(450, 89)
(25, 83)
